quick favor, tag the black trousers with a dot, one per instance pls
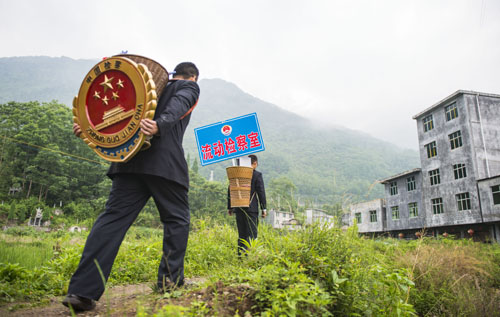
(247, 223)
(129, 193)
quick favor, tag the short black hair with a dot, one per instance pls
(253, 159)
(186, 70)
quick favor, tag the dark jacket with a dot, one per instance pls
(165, 157)
(257, 194)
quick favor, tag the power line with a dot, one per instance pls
(52, 150)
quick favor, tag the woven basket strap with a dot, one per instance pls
(252, 199)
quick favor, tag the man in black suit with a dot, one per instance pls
(247, 219)
(161, 172)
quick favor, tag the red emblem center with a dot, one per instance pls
(110, 102)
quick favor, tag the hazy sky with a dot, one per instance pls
(365, 65)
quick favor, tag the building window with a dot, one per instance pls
(394, 188)
(373, 216)
(395, 212)
(455, 140)
(431, 149)
(459, 171)
(358, 217)
(437, 206)
(410, 183)
(451, 111)
(495, 190)
(412, 207)
(434, 177)
(463, 201)
(428, 123)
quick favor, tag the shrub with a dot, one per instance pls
(211, 249)
(283, 288)
(12, 212)
(16, 283)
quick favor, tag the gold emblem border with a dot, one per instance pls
(145, 90)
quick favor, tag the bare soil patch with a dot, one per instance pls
(117, 301)
(217, 299)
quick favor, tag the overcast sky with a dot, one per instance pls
(365, 65)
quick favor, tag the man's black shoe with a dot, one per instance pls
(78, 303)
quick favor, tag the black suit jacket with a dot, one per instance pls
(257, 193)
(165, 157)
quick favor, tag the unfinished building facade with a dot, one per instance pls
(456, 190)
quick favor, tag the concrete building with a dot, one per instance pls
(292, 224)
(403, 194)
(456, 190)
(489, 198)
(278, 219)
(319, 216)
(282, 219)
(370, 216)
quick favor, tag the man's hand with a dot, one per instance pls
(76, 129)
(230, 212)
(264, 213)
(149, 127)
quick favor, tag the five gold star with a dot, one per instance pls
(106, 83)
(96, 95)
(115, 95)
(105, 100)
(119, 83)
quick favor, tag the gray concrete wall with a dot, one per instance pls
(484, 113)
(402, 199)
(364, 208)
(490, 211)
(444, 161)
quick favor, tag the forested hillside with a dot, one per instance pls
(326, 164)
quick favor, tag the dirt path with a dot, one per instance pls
(217, 299)
(118, 301)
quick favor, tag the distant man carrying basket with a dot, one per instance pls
(161, 172)
(247, 219)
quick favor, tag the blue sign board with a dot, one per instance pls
(229, 139)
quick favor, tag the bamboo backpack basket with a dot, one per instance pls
(160, 74)
(240, 183)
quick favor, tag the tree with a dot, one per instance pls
(281, 194)
(194, 166)
(12, 212)
(207, 197)
(21, 215)
(40, 152)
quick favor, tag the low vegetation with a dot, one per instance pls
(316, 271)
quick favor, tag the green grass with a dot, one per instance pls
(27, 254)
(315, 271)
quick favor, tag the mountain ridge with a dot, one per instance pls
(328, 162)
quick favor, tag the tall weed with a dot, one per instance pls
(453, 278)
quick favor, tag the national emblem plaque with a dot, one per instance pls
(114, 97)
